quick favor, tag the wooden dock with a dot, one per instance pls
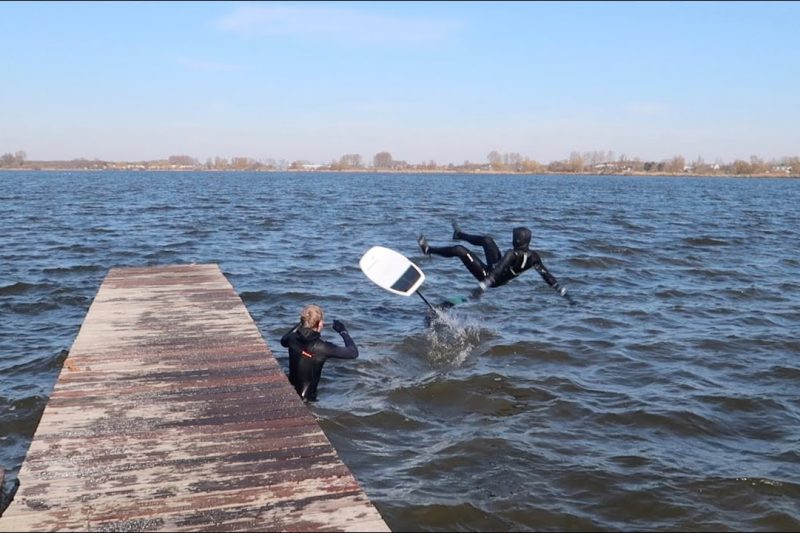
(171, 414)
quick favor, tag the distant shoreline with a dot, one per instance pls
(415, 171)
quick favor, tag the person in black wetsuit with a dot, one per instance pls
(308, 352)
(498, 270)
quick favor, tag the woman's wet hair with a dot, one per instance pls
(311, 316)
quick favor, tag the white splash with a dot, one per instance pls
(452, 338)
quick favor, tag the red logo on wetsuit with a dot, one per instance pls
(307, 354)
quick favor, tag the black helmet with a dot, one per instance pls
(522, 238)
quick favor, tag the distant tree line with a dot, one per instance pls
(597, 162)
(10, 160)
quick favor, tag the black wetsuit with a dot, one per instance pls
(497, 270)
(308, 353)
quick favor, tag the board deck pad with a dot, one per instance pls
(391, 270)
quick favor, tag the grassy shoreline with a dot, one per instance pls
(412, 171)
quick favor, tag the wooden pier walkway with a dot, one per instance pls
(171, 414)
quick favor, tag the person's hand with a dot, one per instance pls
(559, 289)
(564, 294)
(338, 326)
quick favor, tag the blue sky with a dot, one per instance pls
(441, 81)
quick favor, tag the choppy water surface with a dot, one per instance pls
(667, 399)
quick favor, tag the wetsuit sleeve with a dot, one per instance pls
(542, 270)
(551, 280)
(330, 350)
(504, 264)
(285, 338)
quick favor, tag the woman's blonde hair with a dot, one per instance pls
(311, 315)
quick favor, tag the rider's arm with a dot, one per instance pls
(328, 349)
(542, 270)
(549, 278)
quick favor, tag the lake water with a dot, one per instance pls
(666, 399)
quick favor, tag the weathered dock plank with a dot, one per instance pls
(171, 414)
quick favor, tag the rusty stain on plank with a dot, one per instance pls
(171, 414)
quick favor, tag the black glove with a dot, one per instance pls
(563, 293)
(338, 326)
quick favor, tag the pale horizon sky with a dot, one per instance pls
(442, 81)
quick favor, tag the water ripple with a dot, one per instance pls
(664, 400)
